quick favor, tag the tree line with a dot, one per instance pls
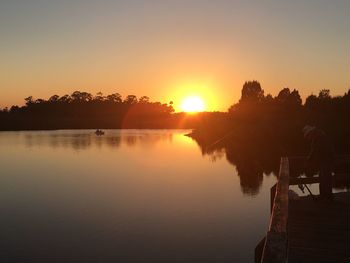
(260, 128)
(255, 116)
(280, 119)
(84, 110)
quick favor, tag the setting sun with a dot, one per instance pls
(193, 104)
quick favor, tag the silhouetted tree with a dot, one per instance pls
(144, 99)
(252, 91)
(130, 99)
(79, 96)
(324, 94)
(54, 98)
(99, 97)
(116, 97)
(65, 99)
(29, 100)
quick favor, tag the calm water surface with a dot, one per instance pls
(128, 196)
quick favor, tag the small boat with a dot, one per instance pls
(99, 132)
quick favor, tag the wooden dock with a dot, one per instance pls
(319, 231)
(306, 230)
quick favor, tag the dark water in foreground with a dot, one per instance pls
(128, 196)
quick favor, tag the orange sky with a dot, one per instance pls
(168, 50)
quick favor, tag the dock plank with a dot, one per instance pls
(319, 231)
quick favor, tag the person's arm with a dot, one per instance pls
(310, 160)
(313, 150)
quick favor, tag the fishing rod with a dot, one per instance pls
(308, 189)
(219, 140)
(302, 186)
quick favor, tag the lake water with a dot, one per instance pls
(128, 196)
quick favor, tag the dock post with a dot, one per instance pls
(272, 196)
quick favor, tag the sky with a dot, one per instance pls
(169, 50)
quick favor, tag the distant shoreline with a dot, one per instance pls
(92, 129)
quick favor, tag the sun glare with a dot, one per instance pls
(193, 104)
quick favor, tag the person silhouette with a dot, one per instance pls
(322, 157)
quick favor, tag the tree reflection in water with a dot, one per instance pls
(86, 139)
(252, 160)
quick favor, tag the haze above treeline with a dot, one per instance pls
(164, 49)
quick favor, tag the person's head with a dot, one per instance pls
(308, 131)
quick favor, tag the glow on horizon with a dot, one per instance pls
(193, 104)
(201, 93)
